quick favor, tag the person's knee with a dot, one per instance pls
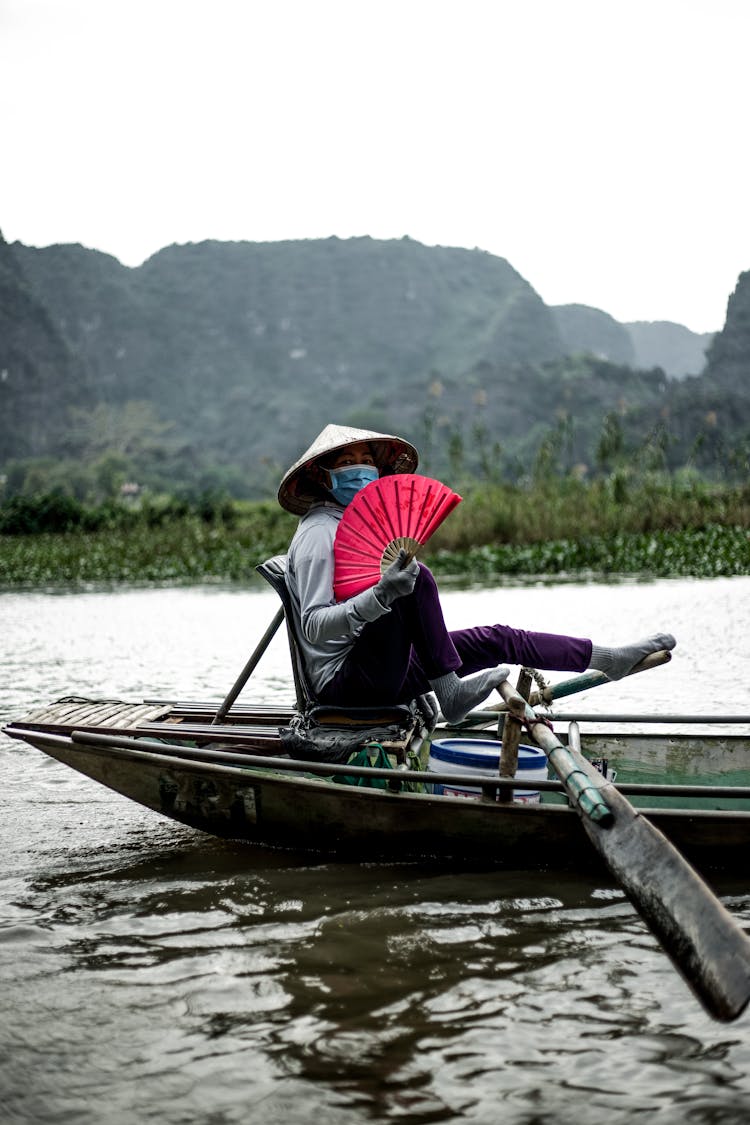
(426, 578)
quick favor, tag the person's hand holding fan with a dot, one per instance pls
(388, 515)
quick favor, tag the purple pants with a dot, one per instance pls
(395, 657)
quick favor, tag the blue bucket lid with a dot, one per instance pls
(477, 753)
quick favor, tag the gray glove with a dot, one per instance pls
(428, 705)
(397, 580)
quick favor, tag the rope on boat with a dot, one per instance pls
(540, 681)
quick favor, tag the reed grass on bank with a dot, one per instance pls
(709, 552)
(569, 528)
(565, 509)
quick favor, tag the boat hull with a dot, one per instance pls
(272, 808)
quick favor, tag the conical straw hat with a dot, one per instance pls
(296, 493)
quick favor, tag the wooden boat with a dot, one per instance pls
(236, 779)
(353, 785)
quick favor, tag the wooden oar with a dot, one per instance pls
(587, 680)
(701, 937)
(249, 668)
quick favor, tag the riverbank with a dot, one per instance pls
(656, 525)
(191, 550)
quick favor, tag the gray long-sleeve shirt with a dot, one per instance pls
(326, 629)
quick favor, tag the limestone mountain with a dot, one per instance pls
(588, 331)
(249, 347)
(728, 356)
(673, 347)
(218, 361)
(706, 417)
(40, 378)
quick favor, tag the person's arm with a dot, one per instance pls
(321, 617)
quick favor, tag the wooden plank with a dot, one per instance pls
(511, 736)
(356, 823)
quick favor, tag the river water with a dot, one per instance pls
(151, 973)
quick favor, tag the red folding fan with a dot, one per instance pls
(390, 513)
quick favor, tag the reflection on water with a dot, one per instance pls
(187, 977)
(167, 976)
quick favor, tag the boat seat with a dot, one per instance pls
(274, 572)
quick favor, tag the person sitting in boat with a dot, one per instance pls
(390, 644)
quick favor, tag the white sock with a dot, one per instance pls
(617, 662)
(458, 695)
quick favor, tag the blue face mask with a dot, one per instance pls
(349, 480)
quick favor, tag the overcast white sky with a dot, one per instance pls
(601, 146)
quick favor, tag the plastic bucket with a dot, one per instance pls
(482, 758)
